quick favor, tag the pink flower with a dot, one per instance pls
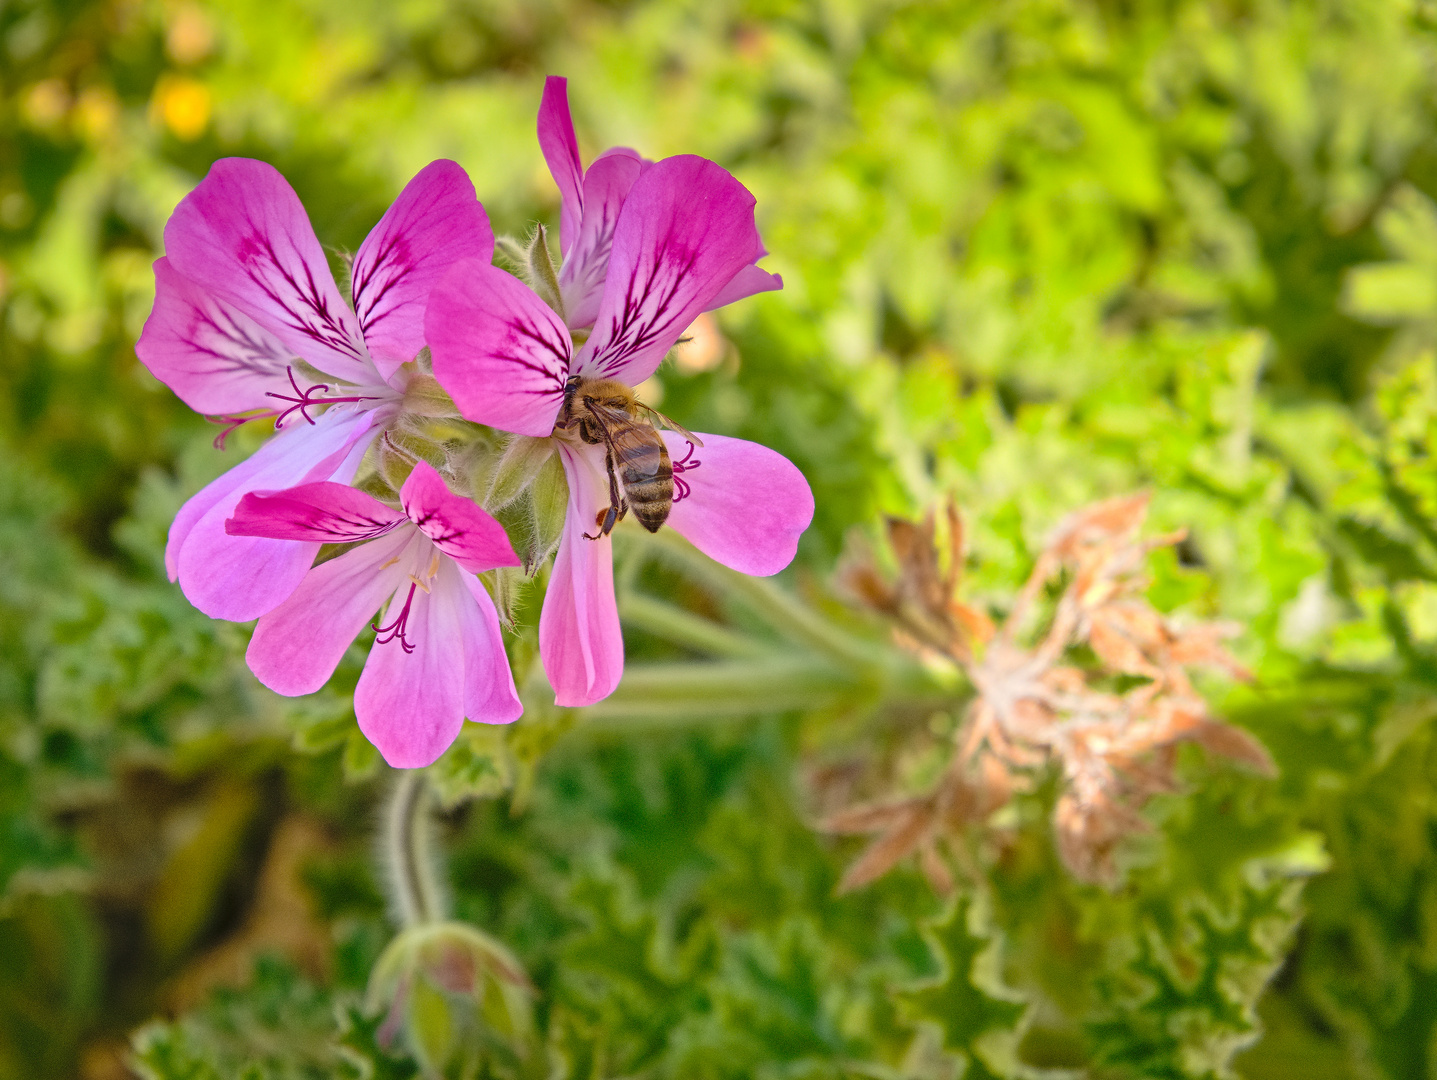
(244, 295)
(438, 656)
(589, 211)
(683, 235)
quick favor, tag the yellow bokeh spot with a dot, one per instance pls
(190, 36)
(183, 104)
(97, 113)
(46, 103)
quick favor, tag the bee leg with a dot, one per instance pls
(606, 519)
(623, 508)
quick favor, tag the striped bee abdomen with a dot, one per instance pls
(648, 478)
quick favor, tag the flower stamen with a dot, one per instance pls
(396, 629)
(684, 464)
(233, 422)
(305, 401)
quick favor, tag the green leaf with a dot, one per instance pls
(980, 1019)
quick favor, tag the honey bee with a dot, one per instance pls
(641, 477)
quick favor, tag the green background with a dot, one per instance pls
(1035, 253)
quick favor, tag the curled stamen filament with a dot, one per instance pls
(684, 464)
(395, 630)
(305, 401)
(233, 422)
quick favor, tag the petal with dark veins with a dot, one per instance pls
(499, 351)
(458, 528)
(214, 357)
(436, 221)
(243, 235)
(685, 231)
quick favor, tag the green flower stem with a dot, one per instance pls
(409, 852)
(666, 695)
(777, 607)
(684, 628)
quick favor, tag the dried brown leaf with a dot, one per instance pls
(883, 855)
(865, 584)
(1116, 649)
(972, 622)
(1102, 522)
(935, 869)
(957, 549)
(1201, 646)
(1115, 750)
(1232, 742)
(868, 818)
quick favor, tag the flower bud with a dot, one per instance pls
(396, 455)
(518, 521)
(550, 495)
(540, 271)
(425, 397)
(455, 996)
(522, 460)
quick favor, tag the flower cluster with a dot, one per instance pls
(249, 325)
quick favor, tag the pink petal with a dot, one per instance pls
(458, 528)
(499, 351)
(317, 444)
(685, 231)
(212, 355)
(243, 236)
(242, 577)
(410, 705)
(745, 283)
(746, 505)
(325, 513)
(435, 222)
(296, 647)
(579, 637)
(586, 263)
(489, 693)
(561, 152)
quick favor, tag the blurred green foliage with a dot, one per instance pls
(1035, 253)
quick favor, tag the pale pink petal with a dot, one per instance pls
(296, 647)
(241, 577)
(740, 503)
(243, 236)
(490, 696)
(561, 152)
(302, 442)
(579, 637)
(410, 704)
(435, 222)
(499, 351)
(745, 283)
(457, 526)
(606, 185)
(213, 356)
(342, 465)
(685, 231)
(325, 513)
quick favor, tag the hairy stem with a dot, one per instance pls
(409, 854)
(784, 612)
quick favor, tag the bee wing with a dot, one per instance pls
(608, 418)
(636, 445)
(678, 428)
